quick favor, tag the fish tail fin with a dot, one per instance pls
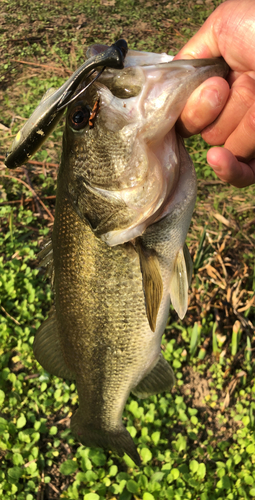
(117, 439)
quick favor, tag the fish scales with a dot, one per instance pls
(125, 196)
(100, 299)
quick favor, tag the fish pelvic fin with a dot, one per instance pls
(152, 282)
(161, 378)
(116, 439)
(180, 281)
(47, 349)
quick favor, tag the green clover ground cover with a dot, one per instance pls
(183, 455)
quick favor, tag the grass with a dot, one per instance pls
(198, 441)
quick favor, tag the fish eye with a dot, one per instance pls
(79, 116)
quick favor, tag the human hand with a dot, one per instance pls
(225, 116)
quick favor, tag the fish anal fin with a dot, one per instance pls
(152, 282)
(47, 349)
(179, 285)
(161, 378)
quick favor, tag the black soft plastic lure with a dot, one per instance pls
(52, 106)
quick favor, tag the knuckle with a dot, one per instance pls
(243, 91)
(251, 119)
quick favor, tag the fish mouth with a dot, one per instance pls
(135, 111)
(139, 105)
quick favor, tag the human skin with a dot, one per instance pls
(224, 112)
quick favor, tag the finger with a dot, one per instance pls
(203, 106)
(203, 44)
(241, 100)
(229, 169)
(229, 32)
(242, 142)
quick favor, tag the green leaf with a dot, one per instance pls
(155, 437)
(53, 430)
(157, 476)
(201, 471)
(86, 464)
(246, 420)
(90, 475)
(81, 477)
(146, 455)
(2, 396)
(214, 339)
(132, 431)
(148, 496)
(193, 465)
(181, 443)
(132, 486)
(133, 407)
(97, 457)
(249, 480)
(248, 350)
(125, 495)
(224, 483)
(221, 472)
(123, 476)
(173, 475)
(143, 482)
(250, 449)
(31, 468)
(113, 470)
(17, 459)
(68, 467)
(91, 496)
(236, 335)
(194, 340)
(21, 422)
(194, 420)
(15, 473)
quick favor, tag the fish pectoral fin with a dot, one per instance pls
(152, 282)
(179, 284)
(47, 349)
(161, 378)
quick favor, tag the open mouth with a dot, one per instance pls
(134, 105)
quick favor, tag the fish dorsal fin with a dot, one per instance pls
(152, 282)
(47, 349)
(161, 378)
(179, 285)
(45, 256)
(45, 259)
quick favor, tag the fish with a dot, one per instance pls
(126, 191)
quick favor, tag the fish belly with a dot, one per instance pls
(102, 327)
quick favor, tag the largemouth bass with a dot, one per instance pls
(125, 197)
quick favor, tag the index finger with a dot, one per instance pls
(229, 32)
(202, 45)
